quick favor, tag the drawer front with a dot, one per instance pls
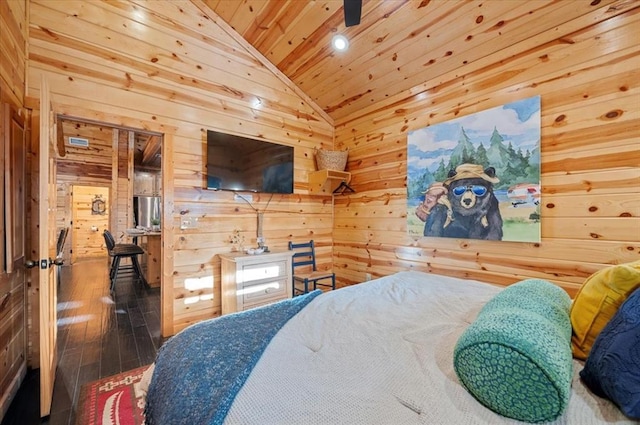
(264, 291)
(259, 271)
(260, 304)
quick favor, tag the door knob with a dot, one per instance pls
(31, 264)
(56, 262)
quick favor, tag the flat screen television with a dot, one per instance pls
(243, 164)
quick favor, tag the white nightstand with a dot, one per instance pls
(249, 281)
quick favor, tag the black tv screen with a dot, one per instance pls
(248, 165)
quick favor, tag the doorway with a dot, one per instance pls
(101, 167)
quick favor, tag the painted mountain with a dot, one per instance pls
(506, 138)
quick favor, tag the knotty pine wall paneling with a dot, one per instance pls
(122, 203)
(586, 72)
(13, 50)
(15, 316)
(169, 68)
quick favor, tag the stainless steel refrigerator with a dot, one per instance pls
(147, 210)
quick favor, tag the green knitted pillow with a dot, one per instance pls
(515, 358)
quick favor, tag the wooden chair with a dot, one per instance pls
(119, 251)
(305, 257)
(59, 261)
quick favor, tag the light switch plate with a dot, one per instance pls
(187, 222)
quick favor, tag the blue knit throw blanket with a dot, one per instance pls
(200, 370)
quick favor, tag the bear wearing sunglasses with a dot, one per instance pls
(474, 212)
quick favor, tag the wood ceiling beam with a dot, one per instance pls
(60, 138)
(151, 150)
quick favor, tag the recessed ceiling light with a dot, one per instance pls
(256, 103)
(340, 42)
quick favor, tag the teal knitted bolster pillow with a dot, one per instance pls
(515, 358)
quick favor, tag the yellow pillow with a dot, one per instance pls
(597, 302)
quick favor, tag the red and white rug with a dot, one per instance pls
(115, 400)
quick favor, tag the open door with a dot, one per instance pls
(47, 252)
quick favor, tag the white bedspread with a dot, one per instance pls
(381, 353)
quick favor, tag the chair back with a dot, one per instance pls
(109, 240)
(62, 237)
(305, 254)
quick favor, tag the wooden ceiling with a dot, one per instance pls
(401, 49)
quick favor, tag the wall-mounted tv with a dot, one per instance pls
(248, 165)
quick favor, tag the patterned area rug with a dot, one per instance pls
(113, 400)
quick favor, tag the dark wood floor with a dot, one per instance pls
(98, 336)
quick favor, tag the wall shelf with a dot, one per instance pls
(327, 181)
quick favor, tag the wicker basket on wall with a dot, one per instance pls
(331, 160)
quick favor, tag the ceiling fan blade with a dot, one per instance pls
(352, 12)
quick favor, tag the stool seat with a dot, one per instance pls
(126, 249)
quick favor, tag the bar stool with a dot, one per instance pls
(119, 251)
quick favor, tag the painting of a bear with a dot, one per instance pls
(478, 176)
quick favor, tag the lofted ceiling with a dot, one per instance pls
(401, 49)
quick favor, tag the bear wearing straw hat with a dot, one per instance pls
(475, 212)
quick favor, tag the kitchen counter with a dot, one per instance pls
(136, 233)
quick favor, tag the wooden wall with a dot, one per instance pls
(13, 308)
(587, 74)
(13, 50)
(121, 207)
(166, 67)
(89, 165)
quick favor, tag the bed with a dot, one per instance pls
(375, 353)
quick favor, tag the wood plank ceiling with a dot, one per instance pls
(396, 41)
